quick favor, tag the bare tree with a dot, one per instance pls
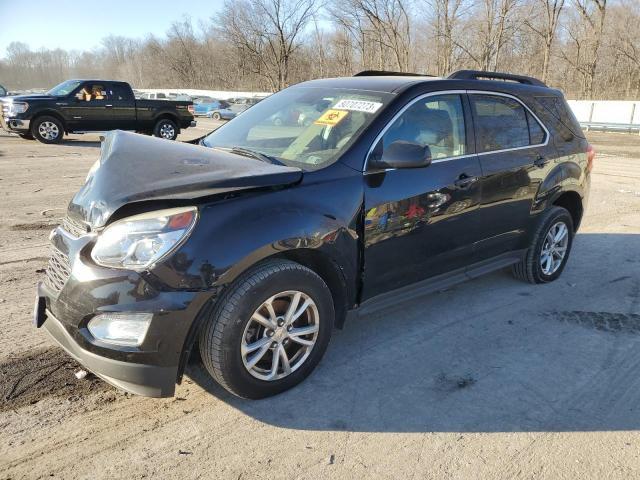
(593, 14)
(445, 18)
(550, 18)
(269, 31)
(589, 48)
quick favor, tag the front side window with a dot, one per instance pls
(503, 123)
(92, 92)
(436, 121)
(306, 127)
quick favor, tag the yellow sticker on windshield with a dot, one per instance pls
(331, 117)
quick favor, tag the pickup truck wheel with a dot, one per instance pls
(47, 129)
(216, 115)
(166, 129)
(549, 250)
(26, 136)
(269, 329)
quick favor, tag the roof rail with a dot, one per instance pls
(382, 73)
(480, 75)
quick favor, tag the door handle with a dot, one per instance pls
(464, 181)
(540, 161)
(109, 106)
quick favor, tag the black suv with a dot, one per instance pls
(258, 239)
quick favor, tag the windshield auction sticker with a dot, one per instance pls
(358, 105)
(331, 117)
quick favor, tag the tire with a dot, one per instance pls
(216, 116)
(231, 326)
(47, 129)
(26, 136)
(166, 128)
(530, 268)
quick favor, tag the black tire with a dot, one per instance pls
(26, 136)
(47, 129)
(222, 333)
(529, 269)
(216, 116)
(166, 128)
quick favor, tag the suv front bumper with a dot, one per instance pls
(75, 290)
(141, 379)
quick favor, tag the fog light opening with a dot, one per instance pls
(126, 329)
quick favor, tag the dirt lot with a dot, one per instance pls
(490, 379)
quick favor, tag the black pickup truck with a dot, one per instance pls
(77, 106)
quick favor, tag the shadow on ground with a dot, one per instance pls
(490, 355)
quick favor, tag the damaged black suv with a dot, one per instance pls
(256, 240)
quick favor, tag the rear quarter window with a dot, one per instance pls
(558, 108)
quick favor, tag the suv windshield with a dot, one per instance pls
(65, 88)
(302, 126)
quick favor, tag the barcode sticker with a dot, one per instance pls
(358, 106)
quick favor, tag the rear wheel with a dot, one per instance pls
(166, 129)
(216, 116)
(47, 129)
(549, 251)
(269, 330)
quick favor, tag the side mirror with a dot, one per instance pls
(403, 154)
(79, 96)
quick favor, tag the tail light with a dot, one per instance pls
(591, 155)
(191, 109)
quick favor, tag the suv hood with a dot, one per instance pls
(136, 168)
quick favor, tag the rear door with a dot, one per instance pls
(513, 148)
(422, 222)
(122, 106)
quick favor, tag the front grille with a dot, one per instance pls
(74, 227)
(58, 271)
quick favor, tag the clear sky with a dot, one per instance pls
(80, 25)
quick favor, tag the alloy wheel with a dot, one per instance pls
(280, 335)
(48, 130)
(167, 131)
(554, 248)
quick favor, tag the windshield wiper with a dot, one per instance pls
(257, 155)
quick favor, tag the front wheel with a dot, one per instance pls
(166, 129)
(549, 250)
(47, 129)
(269, 330)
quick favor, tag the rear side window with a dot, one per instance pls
(501, 123)
(119, 92)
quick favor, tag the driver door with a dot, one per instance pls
(89, 112)
(422, 222)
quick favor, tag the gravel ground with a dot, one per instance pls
(491, 379)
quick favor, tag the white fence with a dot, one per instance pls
(607, 114)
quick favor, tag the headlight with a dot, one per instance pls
(17, 107)
(127, 329)
(137, 242)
